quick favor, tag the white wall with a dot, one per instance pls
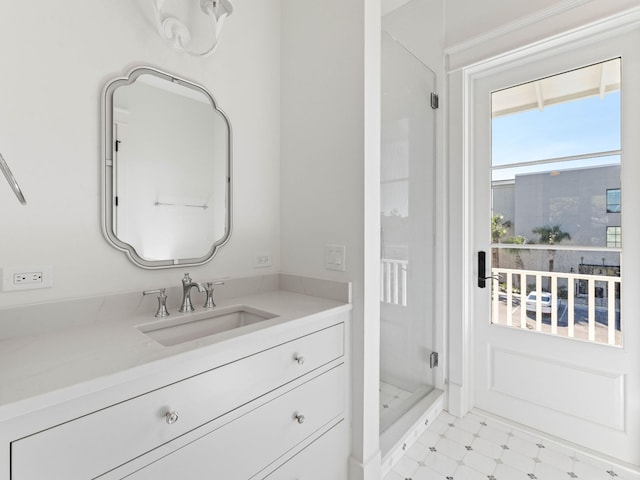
(330, 176)
(418, 25)
(56, 58)
(466, 19)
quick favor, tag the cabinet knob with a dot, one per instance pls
(171, 417)
(299, 418)
(299, 359)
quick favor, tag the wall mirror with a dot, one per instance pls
(166, 170)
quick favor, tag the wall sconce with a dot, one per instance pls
(178, 34)
(12, 180)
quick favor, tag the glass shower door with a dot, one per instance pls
(407, 237)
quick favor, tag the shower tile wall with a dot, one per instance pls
(479, 448)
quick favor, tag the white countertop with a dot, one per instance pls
(38, 370)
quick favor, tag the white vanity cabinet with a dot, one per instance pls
(232, 421)
(240, 449)
(311, 463)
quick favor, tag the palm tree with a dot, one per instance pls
(551, 235)
(499, 227)
(519, 264)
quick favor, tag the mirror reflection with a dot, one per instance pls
(167, 170)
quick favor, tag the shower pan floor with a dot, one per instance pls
(396, 401)
(391, 397)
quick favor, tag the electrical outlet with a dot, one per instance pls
(334, 257)
(26, 278)
(261, 260)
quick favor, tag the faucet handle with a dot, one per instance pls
(162, 301)
(209, 303)
(186, 279)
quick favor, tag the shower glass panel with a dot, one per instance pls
(407, 237)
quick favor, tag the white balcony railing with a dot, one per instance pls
(592, 315)
(588, 316)
(393, 282)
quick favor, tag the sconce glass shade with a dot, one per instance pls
(179, 35)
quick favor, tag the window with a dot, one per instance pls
(555, 147)
(614, 237)
(613, 200)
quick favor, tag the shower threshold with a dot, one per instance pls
(404, 428)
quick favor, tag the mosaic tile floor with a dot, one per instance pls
(478, 448)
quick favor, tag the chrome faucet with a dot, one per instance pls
(187, 284)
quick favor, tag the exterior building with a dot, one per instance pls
(584, 202)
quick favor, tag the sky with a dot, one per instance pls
(572, 128)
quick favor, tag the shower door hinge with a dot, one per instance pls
(433, 360)
(435, 101)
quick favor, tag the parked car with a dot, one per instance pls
(545, 302)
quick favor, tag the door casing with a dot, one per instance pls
(461, 370)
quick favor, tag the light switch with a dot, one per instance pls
(334, 257)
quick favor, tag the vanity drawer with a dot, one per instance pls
(91, 445)
(324, 459)
(245, 446)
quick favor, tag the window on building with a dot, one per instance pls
(614, 237)
(613, 201)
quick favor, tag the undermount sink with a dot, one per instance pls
(192, 326)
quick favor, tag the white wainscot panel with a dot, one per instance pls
(593, 395)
